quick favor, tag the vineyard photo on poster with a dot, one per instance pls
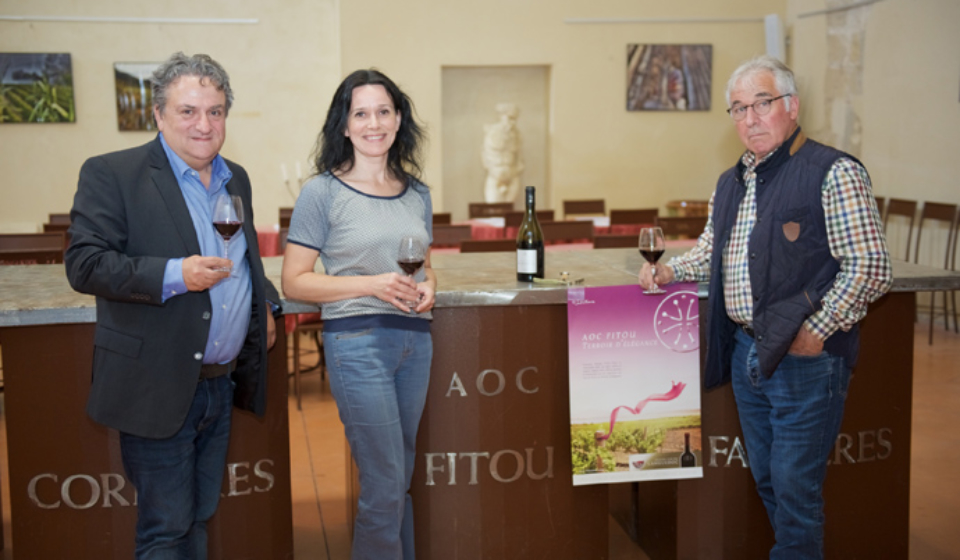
(634, 384)
(36, 88)
(669, 77)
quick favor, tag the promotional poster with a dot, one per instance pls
(634, 384)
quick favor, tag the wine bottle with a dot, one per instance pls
(530, 242)
(688, 459)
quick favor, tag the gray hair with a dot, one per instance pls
(179, 65)
(782, 76)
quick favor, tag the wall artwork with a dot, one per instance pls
(36, 88)
(134, 97)
(669, 77)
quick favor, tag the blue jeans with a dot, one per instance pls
(379, 378)
(178, 479)
(790, 423)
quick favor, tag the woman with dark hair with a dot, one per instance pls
(366, 195)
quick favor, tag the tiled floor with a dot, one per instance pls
(318, 465)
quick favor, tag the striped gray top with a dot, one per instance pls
(359, 234)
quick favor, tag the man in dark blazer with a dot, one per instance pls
(179, 340)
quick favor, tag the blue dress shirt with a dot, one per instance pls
(231, 297)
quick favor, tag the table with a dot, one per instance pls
(268, 237)
(506, 344)
(493, 470)
(69, 497)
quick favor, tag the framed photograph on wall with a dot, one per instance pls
(36, 88)
(669, 77)
(134, 97)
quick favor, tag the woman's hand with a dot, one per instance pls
(428, 297)
(395, 289)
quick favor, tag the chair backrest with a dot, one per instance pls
(282, 240)
(489, 209)
(514, 217)
(634, 216)
(445, 235)
(687, 208)
(50, 227)
(285, 214)
(609, 241)
(58, 219)
(682, 227)
(487, 245)
(584, 207)
(568, 230)
(32, 248)
(938, 212)
(881, 205)
(905, 209)
(442, 218)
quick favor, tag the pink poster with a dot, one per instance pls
(634, 384)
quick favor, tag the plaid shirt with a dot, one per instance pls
(854, 233)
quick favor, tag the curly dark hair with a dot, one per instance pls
(179, 65)
(334, 150)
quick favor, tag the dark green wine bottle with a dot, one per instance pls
(530, 242)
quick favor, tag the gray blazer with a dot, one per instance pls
(128, 219)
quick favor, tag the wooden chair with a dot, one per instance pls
(612, 240)
(943, 215)
(513, 218)
(301, 323)
(682, 227)
(32, 248)
(881, 205)
(450, 235)
(586, 207)
(487, 245)
(51, 227)
(634, 216)
(906, 209)
(441, 218)
(489, 209)
(567, 231)
(58, 219)
(285, 214)
(312, 325)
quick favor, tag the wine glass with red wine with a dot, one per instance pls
(410, 257)
(652, 247)
(227, 219)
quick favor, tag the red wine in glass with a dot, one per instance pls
(652, 256)
(410, 257)
(410, 267)
(227, 229)
(227, 219)
(652, 246)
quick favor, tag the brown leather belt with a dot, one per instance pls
(748, 331)
(210, 371)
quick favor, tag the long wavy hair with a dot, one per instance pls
(334, 150)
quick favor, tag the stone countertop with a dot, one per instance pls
(40, 294)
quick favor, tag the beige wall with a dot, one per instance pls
(283, 71)
(596, 147)
(470, 96)
(901, 103)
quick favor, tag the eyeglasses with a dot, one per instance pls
(760, 108)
